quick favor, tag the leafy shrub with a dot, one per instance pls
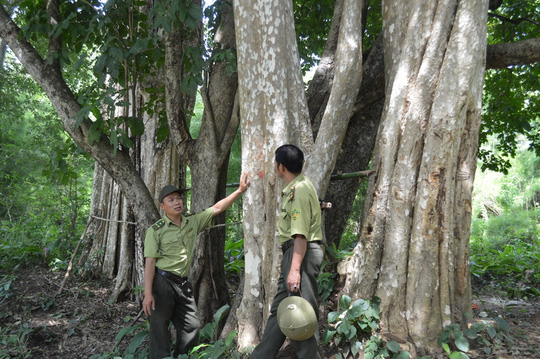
(13, 342)
(353, 327)
(514, 270)
(17, 250)
(326, 280)
(213, 347)
(485, 334)
(234, 256)
(516, 226)
(134, 349)
(325, 284)
(5, 287)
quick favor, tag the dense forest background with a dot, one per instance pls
(46, 185)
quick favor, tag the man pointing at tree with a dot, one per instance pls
(168, 249)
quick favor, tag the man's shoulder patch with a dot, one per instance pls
(291, 193)
(158, 224)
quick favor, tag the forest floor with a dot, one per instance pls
(81, 322)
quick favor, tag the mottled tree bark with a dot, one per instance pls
(410, 254)
(274, 112)
(272, 104)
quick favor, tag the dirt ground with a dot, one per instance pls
(81, 322)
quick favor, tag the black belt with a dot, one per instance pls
(290, 243)
(173, 277)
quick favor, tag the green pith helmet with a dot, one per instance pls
(296, 318)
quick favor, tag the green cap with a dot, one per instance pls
(167, 190)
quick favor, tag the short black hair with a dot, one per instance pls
(291, 157)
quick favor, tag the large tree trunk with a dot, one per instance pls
(116, 248)
(339, 108)
(274, 112)
(410, 253)
(208, 155)
(357, 146)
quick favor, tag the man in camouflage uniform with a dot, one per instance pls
(300, 236)
(168, 249)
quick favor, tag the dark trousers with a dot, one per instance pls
(173, 303)
(273, 338)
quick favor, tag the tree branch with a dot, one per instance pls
(512, 54)
(340, 106)
(513, 21)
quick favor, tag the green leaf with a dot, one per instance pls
(136, 125)
(221, 312)
(80, 61)
(352, 333)
(455, 355)
(230, 338)
(93, 134)
(162, 132)
(403, 355)
(503, 324)
(182, 14)
(356, 347)
(195, 12)
(81, 115)
(207, 332)
(344, 328)
(361, 304)
(491, 332)
(328, 335)
(116, 53)
(393, 346)
(100, 63)
(333, 317)
(217, 350)
(446, 348)
(471, 333)
(136, 341)
(457, 333)
(355, 312)
(139, 46)
(125, 331)
(344, 302)
(462, 344)
(113, 139)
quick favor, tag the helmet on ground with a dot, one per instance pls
(296, 318)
